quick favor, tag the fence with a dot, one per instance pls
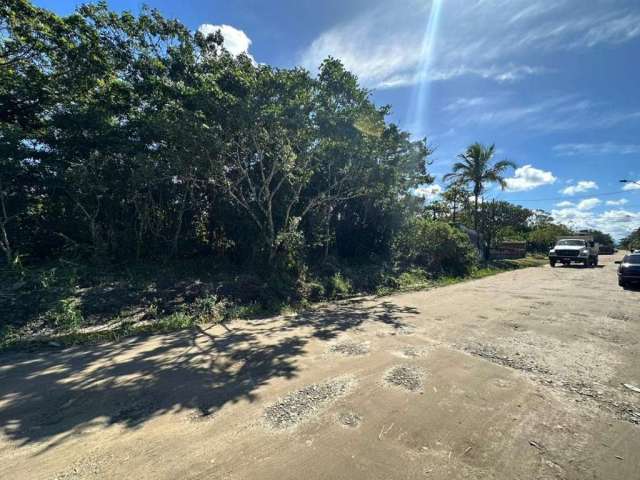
(509, 249)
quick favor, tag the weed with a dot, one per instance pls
(208, 309)
(8, 336)
(250, 310)
(339, 286)
(67, 315)
(47, 301)
(175, 321)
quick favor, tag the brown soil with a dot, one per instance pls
(521, 376)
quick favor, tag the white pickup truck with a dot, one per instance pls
(578, 249)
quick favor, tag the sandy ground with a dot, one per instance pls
(517, 376)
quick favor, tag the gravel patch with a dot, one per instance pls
(406, 329)
(413, 352)
(93, 466)
(350, 348)
(406, 377)
(305, 403)
(518, 362)
(349, 420)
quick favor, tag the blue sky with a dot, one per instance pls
(553, 83)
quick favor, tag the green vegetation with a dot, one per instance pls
(152, 181)
(131, 138)
(632, 241)
(112, 304)
(476, 169)
(436, 247)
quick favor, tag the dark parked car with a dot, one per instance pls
(607, 249)
(629, 270)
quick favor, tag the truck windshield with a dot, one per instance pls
(633, 259)
(573, 243)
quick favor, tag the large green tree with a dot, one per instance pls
(126, 135)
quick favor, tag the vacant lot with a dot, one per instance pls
(519, 375)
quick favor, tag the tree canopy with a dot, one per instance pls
(129, 136)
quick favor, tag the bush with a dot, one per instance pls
(67, 315)
(8, 336)
(208, 309)
(314, 290)
(175, 321)
(436, 247)
(338, 286)
(542, 238)
(411, 279)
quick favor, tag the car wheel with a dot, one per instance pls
(552, 263)
(622, 283)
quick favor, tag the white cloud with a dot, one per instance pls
(553, 114)
(581, 186)
(501, 74)
(622, 201)
(235, 40)
(428, 192)
(527, 178)
(618, 223)
(588, 204)
(390, 47)
(607, 148)
(632, 186)
(465, 103)
(613, 30)
(565, 204)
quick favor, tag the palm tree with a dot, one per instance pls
(476, 168)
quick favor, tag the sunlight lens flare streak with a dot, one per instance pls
(420, 97)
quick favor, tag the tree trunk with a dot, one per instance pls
(4, 241)
(6, 246)
(327, 234)
(176, 235)
(273, 250)
(475, 218)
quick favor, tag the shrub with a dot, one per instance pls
(250, 310)
(541, 239)
(411, 279)
(8, 336)
(208, 309)
(314, 290)
(338, 286)
(175, 321)
(67, 315)
(435, 246)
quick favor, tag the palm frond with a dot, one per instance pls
(451, 176)
(502, 182)
(502, 165)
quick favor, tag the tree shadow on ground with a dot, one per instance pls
(329, 323)
(52, 395)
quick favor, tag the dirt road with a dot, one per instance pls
(517, 376)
